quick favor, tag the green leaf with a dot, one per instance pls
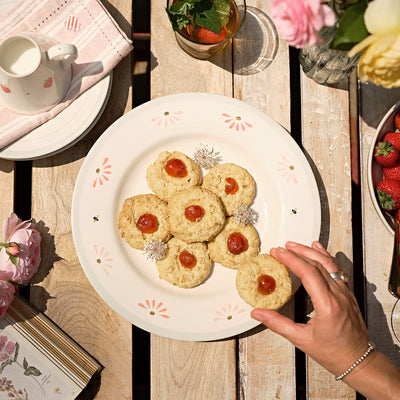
(14, 260)
(206, 16)
(5, 363)
(194, 12)
(25, 363)
(223, 8)
(351, 27)
(16, 351)
(32, 371)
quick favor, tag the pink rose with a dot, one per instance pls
(27, 260)
(299, 21)
(6, 297)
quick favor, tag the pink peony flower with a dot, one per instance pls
(6, 296)
(299, 21)
(27, 260)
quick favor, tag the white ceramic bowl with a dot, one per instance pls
(375, 170)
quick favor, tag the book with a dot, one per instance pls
(38, 360)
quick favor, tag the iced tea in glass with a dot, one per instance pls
(201, 38)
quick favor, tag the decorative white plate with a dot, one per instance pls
(287, 203)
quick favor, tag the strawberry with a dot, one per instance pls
(386, 154)
(207, 36)
(48, 82)
(388, 191)
(392, 172)
(397, 120)
(393, 138)
(5, 88)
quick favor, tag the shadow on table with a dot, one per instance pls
(373, 111)
(387, 344)
(255, 45)
(39, 295)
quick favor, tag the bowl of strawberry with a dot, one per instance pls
(384, 166)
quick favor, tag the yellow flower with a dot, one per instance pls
(380, 61)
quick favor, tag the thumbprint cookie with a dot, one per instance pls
(185, 264)
(264, 282)
(143, 218)
(232, 183)
(195, 215)
(234, 245)
(172, 172)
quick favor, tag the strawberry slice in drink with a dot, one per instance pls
(207, 36)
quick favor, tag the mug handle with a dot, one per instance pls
(65, 52)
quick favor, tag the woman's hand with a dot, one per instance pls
(336, 336)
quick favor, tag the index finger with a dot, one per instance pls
(311, 277)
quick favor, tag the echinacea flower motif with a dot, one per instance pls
(103, 173)
(205, 157)
(156, 309)
(236, 123)
(155, 249)
(245, 215)
(103, 259)
(168, 118)
(228, 313)
(287, 170)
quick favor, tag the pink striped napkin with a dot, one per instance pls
(86, 23)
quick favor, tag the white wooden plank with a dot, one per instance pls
(377, 239)
(266, 360)
(326, 140)
(179, 369)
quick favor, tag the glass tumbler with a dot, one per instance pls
(204, 51)
(396, 320)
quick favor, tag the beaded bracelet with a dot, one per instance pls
(371, 347)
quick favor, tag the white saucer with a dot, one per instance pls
(65, 129)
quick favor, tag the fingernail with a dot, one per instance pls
(257, 316)
(319, 245)
(281, 250)
(291, 244)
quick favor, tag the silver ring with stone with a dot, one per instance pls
(339, 276)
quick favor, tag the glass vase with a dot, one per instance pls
(325, 65)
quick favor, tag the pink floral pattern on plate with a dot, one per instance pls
(236, 123)
(103, 259)
(154, 308)
(286, 170)
(168, 118)
(227, 312)
(103, 173)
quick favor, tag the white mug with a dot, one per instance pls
(35, 72)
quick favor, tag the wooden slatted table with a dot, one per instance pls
(257, 364)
